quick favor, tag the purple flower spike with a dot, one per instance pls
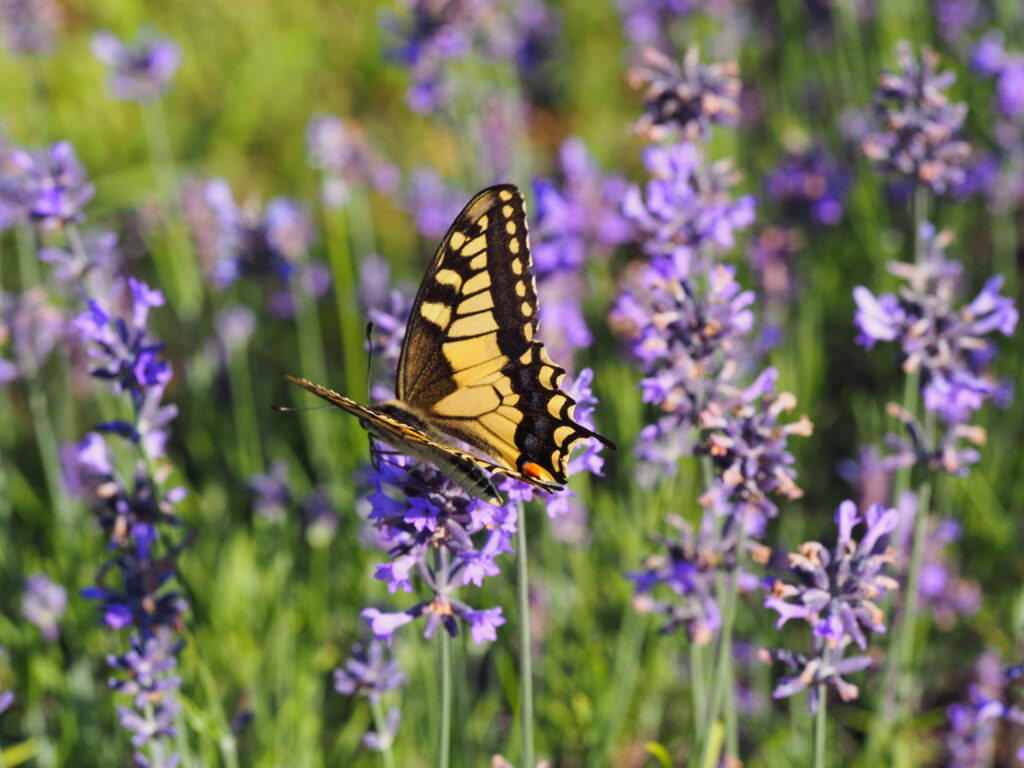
(342, 154)
(916, 137)
(367, 673)
(30, 25)
(940, 340)
(683, 100)
(974, 722)
(836, 595)
(45, 186)
(810, 187)
(141, 70)
(685, 206)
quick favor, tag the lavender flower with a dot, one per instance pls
(98, 261)
(32, 326)
(433, 203)
(689, 568)
(235, 242)
(45, 186)
(953, 449)
(973, 722)
(30, 25)
(685, 206)
(342, 154)
(125, 355)
(916, 136)
(990, 58)
(684, 100)
(747, 444)
(436, 32)
(141, 70)
(647, 22)
(272, 494)
(945, 343)
(955, 18)
(367, 673)
(43, 604)
(576, 220)
(773, 258)
(147, 673)
(836, 596)
(810, 187)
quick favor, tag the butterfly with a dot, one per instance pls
(471, 371)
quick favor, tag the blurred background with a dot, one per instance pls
(278, 559)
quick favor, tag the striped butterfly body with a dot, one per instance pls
(471, 372)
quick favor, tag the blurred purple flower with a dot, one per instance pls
(342, 154)
(917, 125)
(955, 18)
(810, 187)
(836, 596)
(379, 742)
(943, 593)
(433, 202)
(686, 206)
(32, 327)
(99, 261)
(367, 673)
(43, 604)
(46, 186)
(772, 256)
(6, 697)
(30, 25)
(578, 218)
(272, 496)
(647, 22)
(141, 70)
(953, 449)
(941, 341)
(988, 55)
(435, 32)
(683, 100)
(692, 562)
(974, 721)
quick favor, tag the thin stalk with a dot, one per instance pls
(175, 263)
(722, 693)
(698, 690)
(444, 735)
(311, 362)
(901, 644)
(247, 432)
(380, 722)
(526, 759)
(42, 421)
(820, 728)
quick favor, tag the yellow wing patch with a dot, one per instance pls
(471, 369)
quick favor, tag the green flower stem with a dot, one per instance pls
(176, 261)
(526, 759)
(312, 366)
(247, 433)
(698, 690)
(380, 722)
(820, 728)
(339, 253)
(39, 408)
(444, 735)
(722, 691)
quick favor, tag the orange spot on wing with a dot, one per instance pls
(536, 472)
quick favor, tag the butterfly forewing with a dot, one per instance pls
(470, 362)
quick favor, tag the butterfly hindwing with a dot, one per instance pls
(470, 363)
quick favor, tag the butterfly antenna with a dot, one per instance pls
(369, 355)
(289, 409)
